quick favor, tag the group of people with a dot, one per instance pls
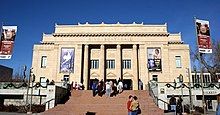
(133, 105)
(176, 105)
(110, 88)
(77, 86)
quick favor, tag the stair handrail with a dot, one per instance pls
(155, 98)
(151, 93)
(48, 103)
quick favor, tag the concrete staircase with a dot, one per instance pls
(82, 101)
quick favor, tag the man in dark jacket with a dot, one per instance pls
(173, 103)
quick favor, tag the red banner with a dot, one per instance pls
(7, 41)
(203, 36)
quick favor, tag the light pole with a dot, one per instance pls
(181, 81)
(190, 91)
(28, 85)
(32, 81)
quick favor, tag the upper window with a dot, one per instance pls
(178, 62)
(155, 78)
(43, 61)
(66, 78)
(110, 64)
(126, 64)
(94, 64)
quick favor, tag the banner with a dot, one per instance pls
(67, 60)
(154, 59)
(203, 36)
(8, 34)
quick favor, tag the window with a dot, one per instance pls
(110, 64)
(43, 61)
(126, 64)
(94, 64)
(43, 80)
(66, 78)
(178, 62)
(154, 78)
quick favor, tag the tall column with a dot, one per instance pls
(135, 67)
(85, 73)
(118, 62)
(102, 62)
(142, 63)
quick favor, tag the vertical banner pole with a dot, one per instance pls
(201, 69)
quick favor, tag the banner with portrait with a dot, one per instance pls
(8, 34)
(154, 59)
(203, 36)
(67, 60)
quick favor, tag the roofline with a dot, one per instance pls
(134, 24)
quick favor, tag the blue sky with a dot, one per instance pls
(35, 17)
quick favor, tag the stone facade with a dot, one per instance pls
(114, 43)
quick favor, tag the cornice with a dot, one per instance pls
(107, 34)
(175, 42)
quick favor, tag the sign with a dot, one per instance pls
(154, 59)
(7, 41)
(67, 60)
(203, 36)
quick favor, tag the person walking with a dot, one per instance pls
(173, 103)
(108, 89)
(94, 88)
(179, 106)
(130, 98)
(120, 87)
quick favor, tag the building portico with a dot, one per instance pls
(130, 52)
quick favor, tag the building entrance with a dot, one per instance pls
(127, 84)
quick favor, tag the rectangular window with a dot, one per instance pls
(154, 78)
(110, 64)
(66, 78)
(94, 64)
(178, 62)
(126, 64)
(43, 61)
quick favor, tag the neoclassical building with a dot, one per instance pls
(132, 52)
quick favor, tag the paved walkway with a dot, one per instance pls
(208, 113)
(13, 113)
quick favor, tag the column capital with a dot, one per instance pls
(135, 46)
(118, 46)
(102, 46)
(86, 45)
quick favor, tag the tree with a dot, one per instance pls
(211, 62)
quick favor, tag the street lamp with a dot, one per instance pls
(194, 69)
(190, 91)
(181, 81)
(28, 85)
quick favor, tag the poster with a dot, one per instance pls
(67, 60)
(203, 36)
(8, 34)
(154, 59)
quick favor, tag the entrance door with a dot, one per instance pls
(209, 104)
(127, 84)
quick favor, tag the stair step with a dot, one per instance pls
(82, 101)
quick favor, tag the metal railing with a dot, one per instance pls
(152, 94)
(48, 105)
(23, 85)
